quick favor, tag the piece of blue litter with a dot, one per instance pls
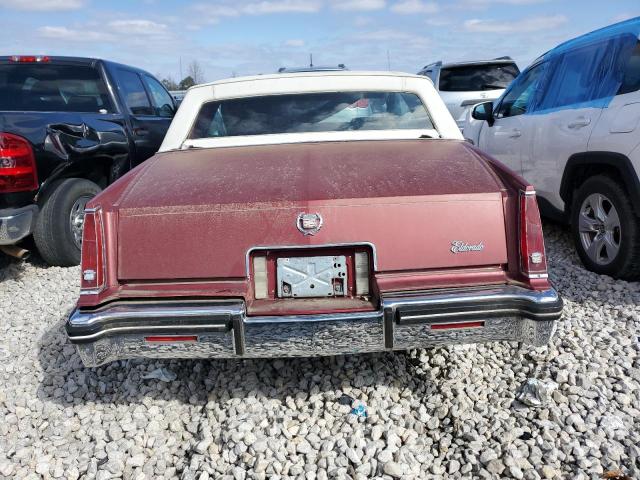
(359, 411)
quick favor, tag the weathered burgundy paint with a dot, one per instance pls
(196, 214)
(294, 173)
(182, 223)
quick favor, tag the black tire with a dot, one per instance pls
(625, 264)
(53, 233)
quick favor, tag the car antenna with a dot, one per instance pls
(311, 60)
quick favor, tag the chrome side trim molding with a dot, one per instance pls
(534, 276)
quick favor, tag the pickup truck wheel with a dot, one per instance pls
(58, 230)
(605, 229)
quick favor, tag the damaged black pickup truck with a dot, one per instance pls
(68, 128)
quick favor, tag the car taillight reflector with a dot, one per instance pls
(260, 286)
(93, 256)
(362, 273)
(29, 58)
(456, 325)
(533, 260)
(171, 338)
(17, 165)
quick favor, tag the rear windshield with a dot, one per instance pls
(52, 88)
(311, 112)
(475, 78)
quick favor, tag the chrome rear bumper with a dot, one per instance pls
(222, 329)
(16, 223)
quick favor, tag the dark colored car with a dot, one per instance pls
(68, 128)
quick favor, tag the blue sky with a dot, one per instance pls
(257, 36)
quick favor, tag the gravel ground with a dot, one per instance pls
(446, 412)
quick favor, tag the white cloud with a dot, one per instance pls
(526, 25)
(361, 21)
(358, 5)
(282, 6)
(437, 22)
(72, 35)
(389, 36)
(265, 7)
(409, 7)
(623, 16)
(294, 42)
(42, 5)
(110, 32)
(137, 27)
(487, 3)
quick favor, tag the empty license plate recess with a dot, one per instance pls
(312, 276)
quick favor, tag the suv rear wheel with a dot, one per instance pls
(58, 230)
(605, 229)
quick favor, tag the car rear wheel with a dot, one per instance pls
(605, 228)
(58, 230)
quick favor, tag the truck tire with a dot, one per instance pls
(605, 229)
(58, 228)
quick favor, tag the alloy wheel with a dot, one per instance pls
(600, 230)
(76, 219)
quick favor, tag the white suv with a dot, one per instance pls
(462, 85)
(570, 124)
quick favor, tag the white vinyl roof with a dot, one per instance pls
(307, 82)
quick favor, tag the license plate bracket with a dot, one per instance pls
(312, 277)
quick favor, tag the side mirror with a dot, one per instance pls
(167, 110)
(483, 111)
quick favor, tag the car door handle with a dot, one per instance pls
(141, 131)
(515, 133)
(579, 123)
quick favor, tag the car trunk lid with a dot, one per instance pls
(423, 204)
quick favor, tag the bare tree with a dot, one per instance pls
(195, 71)
(168, 82)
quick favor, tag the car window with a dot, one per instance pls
(311, 112)
(134, 93)
(631, 77)
(577, 76)
(51, 87)
(474, 78)
(517, 99)
(162, 101)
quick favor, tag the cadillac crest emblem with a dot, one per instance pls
(309, 223)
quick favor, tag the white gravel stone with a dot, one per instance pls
(444, 412)
(394, 469)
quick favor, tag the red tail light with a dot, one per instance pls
(533, 259)
(29, 58)
(93, 258)
(17, 165)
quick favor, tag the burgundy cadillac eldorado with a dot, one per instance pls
(311, 214)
